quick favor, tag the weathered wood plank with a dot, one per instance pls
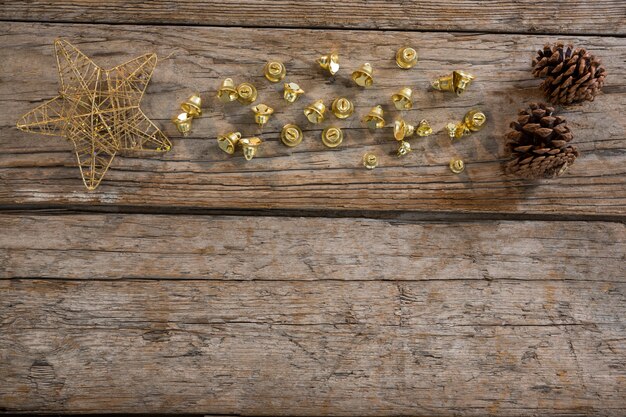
(568, 16)
(35, 170)
(264, 248)
(330, 348)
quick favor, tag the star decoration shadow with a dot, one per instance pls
(98, 111)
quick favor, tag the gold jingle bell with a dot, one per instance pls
(183, 123)
(329, 62)
(315, 112)
(404, 148)
(291, 135)
(456, 82)
(332, 137)
(374, 119)
(406, 57)
(246, 93)
(457, 130)
(228, 142)
(370, 161)
(342, 108)
(193, 106)
(250, 146)
(262, 114)
(402, 130)
(275, 71)
(475, 120)
(457, 166)
(227, 92)
(423, 129)
(363, 76)
(292, 92)
(402, 99)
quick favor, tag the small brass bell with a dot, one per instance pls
(402, 130)
(275, 71)
(374, 119)
(183, 123)
(329, 62)
(370, 161)
(228, 142)
(475, 120)
(332, 137)
(423, 129)
(461, 81)
(406, 57)
(457, 166)
(193, 106)
(402, 99)
(404, 148)
(457, 130)
(342, 108)
(227, 91)
(291, 135)
(262, 114)
(315, 112)
(292, 92)
(250, 147)
(363, 76)
(456, 82)
(246, 93)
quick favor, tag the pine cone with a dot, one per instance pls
(571, 75)
(539, 144)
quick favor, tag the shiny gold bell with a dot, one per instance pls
(329, 62)
(332, 137)
(457, 166)
(374, 119)
(291, 135)
(370, 161)
(403, 99)
(473, 121)
(193, 106)
(404, 148)
(402, 129)
(406, 57)
(274, 71)
(183, 123)
(262, 114)
(228, 142)
(342, 108)
(423, 129)
(250, 147)
(315, 112)
(363, 76)
(292, 92)
(227, 91)
(246, 93)
(456, 82)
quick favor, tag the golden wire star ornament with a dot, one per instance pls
(98, 110)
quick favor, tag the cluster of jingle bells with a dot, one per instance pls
(342, 108)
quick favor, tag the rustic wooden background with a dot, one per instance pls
(300, 283)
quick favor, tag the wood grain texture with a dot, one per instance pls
(40, 171)
(530, 16)
(327, 348)
(267, 248)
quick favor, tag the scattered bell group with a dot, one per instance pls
(291, 135)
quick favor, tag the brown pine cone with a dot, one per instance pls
(571, 75)
(539, 144)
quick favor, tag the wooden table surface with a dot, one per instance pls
(300, 283)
